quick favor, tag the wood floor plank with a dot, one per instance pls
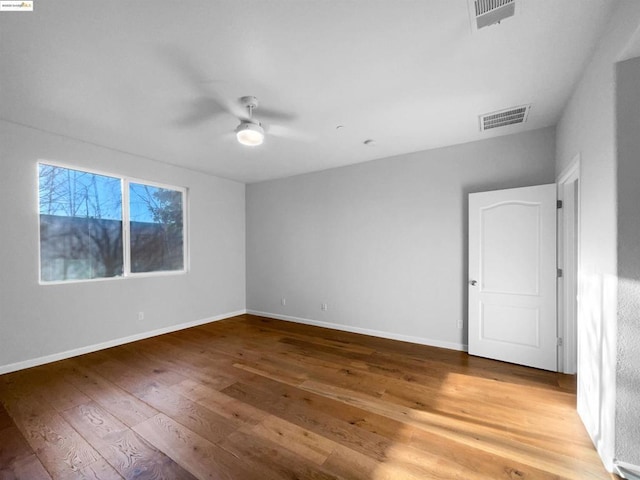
(98, 470)
(274, 460)
(123, 449)
(17, 459)
(13, 446)
(160, 372)
(251, 397)
(58, 393)
(352, 464)
(201, 420)
(59, 447)
(309, 411)
(301, 441)
(126, 376)
(206, 423)
(237, 412)
(268, 370)
(194, 453)
(27, 468)
(5, 419)
(192, 366)
(128, 408)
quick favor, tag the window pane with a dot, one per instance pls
(80, 225)
(157, 239)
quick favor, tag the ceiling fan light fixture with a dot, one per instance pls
(250, 134)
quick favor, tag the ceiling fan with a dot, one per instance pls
(211, 103)
(250, 131)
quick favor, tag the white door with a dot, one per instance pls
(512, 276)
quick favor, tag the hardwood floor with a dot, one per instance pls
(251, 397)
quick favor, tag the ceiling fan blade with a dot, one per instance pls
(259, 112)
(274, 114)
(228, 137)
(210, 101)
(181, 62)
(281, 131)
(200, 111)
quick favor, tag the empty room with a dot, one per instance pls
(320, 239)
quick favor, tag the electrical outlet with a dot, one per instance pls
(460, 324)
(140, 315)
(323, 307)
(283, 301)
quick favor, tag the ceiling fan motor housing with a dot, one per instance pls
(249, 102)
(250, 133)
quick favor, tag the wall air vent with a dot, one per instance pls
(502, 118)
(490, 12)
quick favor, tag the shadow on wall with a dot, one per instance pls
(597, 355)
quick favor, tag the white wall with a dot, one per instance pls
(587, 129)
(382, 243)
(46, 320)
(628, 177)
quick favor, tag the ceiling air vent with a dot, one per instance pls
(490, 12)
(502, 118)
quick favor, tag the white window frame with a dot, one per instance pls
(125, 180)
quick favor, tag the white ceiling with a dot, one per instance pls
(141, 76)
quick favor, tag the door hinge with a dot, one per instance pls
(559, 203)
(559, 273)
(560, 342)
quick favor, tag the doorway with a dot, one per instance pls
(568, 262)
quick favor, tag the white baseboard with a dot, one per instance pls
(365, 331)
(12, 367)
(627, 470)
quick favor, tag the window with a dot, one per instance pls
(102, 226)
(155, 215)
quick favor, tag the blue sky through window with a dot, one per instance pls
(74, 193)
(142, 202)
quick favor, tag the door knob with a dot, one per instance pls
(473, 283)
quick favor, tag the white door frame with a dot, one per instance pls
(569, 262)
